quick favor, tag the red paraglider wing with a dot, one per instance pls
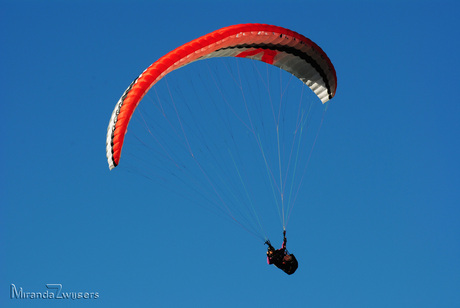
(274, 45)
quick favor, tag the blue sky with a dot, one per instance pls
(377, 226)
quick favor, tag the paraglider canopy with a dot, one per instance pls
(274, 45)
